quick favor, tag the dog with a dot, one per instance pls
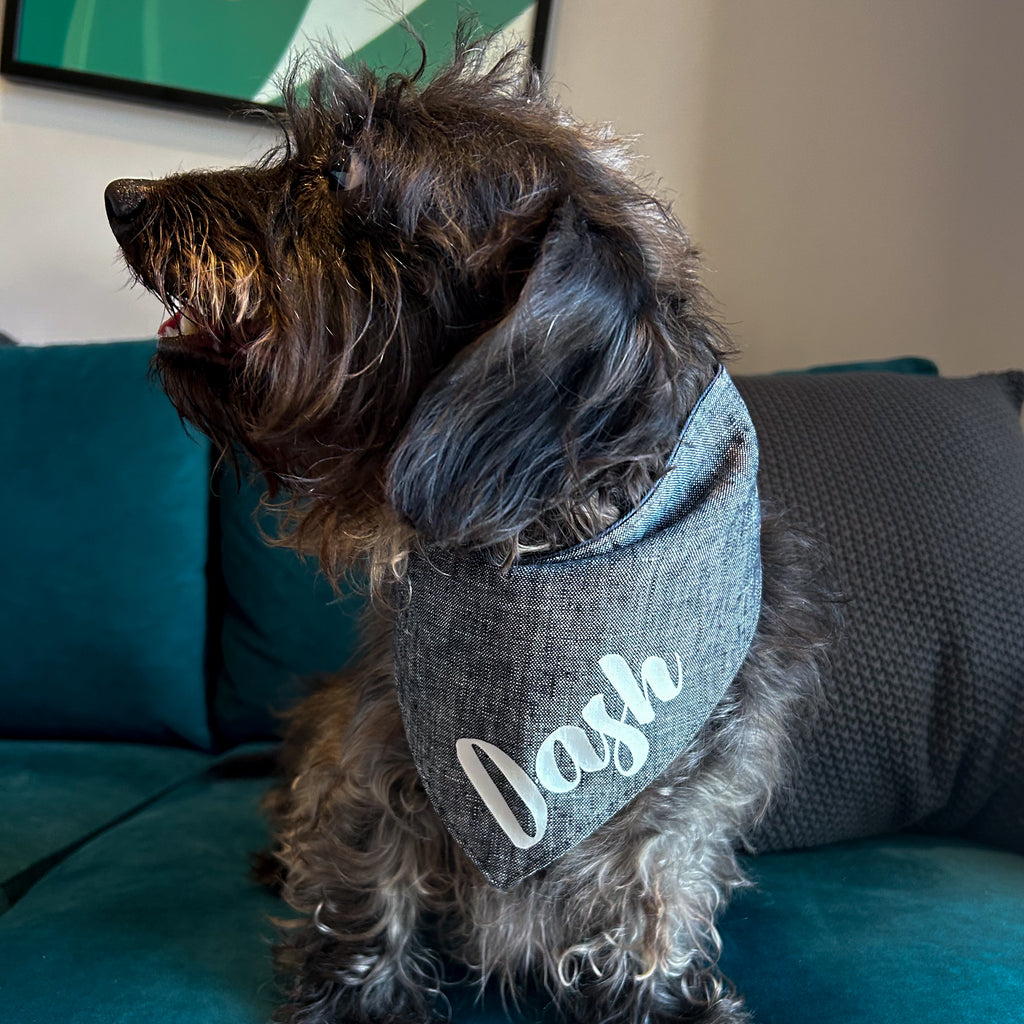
(445, 323)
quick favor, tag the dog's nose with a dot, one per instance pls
(126, 201)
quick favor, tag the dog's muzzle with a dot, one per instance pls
(126, 201)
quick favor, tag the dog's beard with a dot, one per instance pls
(202, 390)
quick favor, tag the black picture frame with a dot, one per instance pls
(139, 90)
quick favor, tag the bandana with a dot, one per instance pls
(540, 700)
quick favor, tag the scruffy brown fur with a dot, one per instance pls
(441, 312)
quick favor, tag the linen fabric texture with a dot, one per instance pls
(540, 700)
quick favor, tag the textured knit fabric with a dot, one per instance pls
(916, 485)
(573, 680)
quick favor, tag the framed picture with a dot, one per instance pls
(227, 54)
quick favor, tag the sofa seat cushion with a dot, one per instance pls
(104, 526)
(908, 930)
(54, 795)
(155, 919)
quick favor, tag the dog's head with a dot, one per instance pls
(441, 303)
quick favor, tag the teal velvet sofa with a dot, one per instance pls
(149, 633)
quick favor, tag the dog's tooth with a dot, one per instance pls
(170, 328)
(188, 325)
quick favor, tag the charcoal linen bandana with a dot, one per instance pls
(541, 699)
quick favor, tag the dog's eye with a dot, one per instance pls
(345, 171)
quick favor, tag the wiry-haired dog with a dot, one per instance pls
(441, 317)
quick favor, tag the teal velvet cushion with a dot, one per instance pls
(157, 919)
(915, 365)
(153, 920)
(282, 625)
(56, 794)
(104, 527)
(903, 930)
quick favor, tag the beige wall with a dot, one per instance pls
(852, 170)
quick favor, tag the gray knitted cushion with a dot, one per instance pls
(917, 486)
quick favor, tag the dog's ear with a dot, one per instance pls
(573, 379)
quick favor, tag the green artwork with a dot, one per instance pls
(197, 50)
